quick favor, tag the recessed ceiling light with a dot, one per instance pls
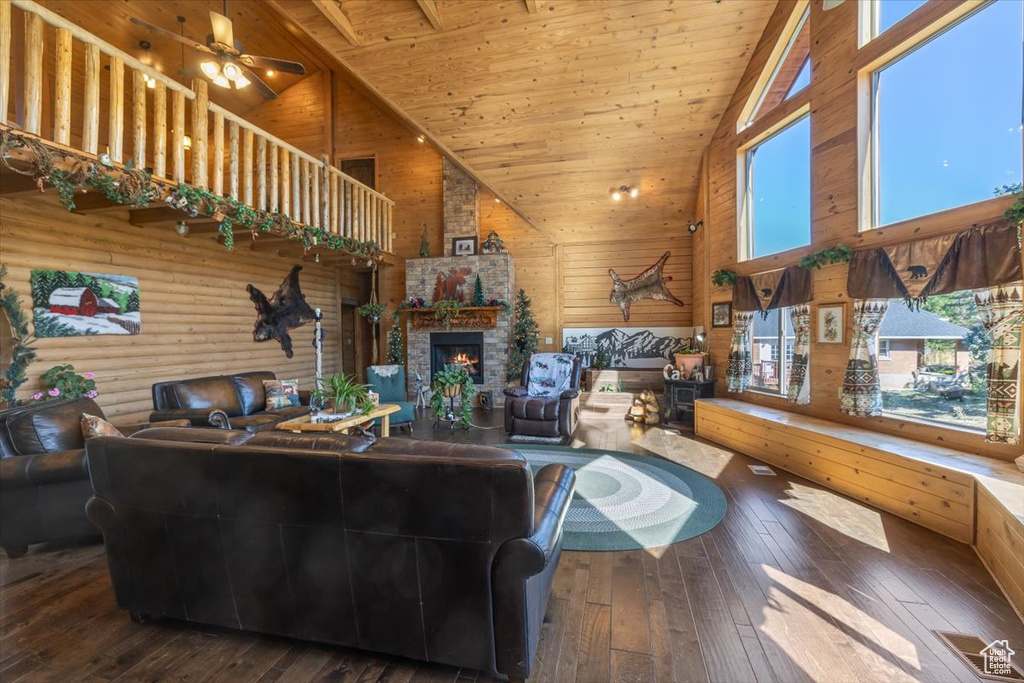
(420, 138)
(270, 72)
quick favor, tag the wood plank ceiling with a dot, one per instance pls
(256, 26)
(554, 103)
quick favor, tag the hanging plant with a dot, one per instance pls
(450, 382)
(372, 311)
(22, 353)
(723, 278)
(827, 257)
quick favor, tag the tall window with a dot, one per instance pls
(884, 14)
(790, 72)
(770, 363)
(776, 203)
(946, 117)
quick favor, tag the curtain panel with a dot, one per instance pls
(765, 292)
(1002, 313)
(739, 368)
(861, 394)
(799, 388)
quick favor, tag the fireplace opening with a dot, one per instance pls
(458, 348)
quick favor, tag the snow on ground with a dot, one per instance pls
(103, 323)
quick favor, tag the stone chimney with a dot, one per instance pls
(461, 205)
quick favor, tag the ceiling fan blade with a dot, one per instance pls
(222, 31)
(257, 82)
(282, 65)
(831, 4)
(169, 34)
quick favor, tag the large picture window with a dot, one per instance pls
(776, 204)
(790, 74)
(946, 117)
(884, 14)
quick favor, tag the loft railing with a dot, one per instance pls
(180, 140)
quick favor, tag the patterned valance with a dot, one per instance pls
(982, 256)
(765, 292)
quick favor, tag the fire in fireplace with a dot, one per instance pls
(459, 348)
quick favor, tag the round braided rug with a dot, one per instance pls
(628, 502)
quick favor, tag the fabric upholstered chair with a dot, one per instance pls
(389, 382)
(546, 407)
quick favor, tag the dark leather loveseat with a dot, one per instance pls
(547, 417)
(225, 401)
(434, 551)
(44, 484)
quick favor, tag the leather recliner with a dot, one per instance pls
(44, 484)
(223, 401)
(434, 551)
(549, 417)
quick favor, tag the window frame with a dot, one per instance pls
(882, 51)
(787, 39)
(783, 360)
(888, 349)
(869, 20)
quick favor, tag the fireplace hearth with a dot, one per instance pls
(458, 348)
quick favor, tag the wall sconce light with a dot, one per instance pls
(181, 228)
(623, 191)
(692, 227)
(421, 139)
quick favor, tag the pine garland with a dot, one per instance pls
(723, 277)
(827, 257)
(22, 353)
(136, 188)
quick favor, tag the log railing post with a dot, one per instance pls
(261, 173)
(233, 161)
(247, 145)
(139, 119)
(296, 189)
(315, 212)
(217, 170)
(274, 195)
(33, 73)
(286, 182)
(178, 135)
(91, 107)
(115, 115)
(390, 232)
(160, 130)
(5, 58)
(199, 132)
(62, 95)
(304, 187)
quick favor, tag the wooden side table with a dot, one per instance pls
(305, 424)
(680, 395)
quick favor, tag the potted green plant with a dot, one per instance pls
(372, 311)
(451, 382)
(687, 358)
(342, 392)
(63, 382)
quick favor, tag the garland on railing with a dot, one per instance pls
(723, 277)
(827, 257)
(136, 188)
(22, 353)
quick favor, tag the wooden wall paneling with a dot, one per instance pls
(999, 542)
(833, 96)
(196, 316)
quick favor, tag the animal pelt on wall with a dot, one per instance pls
(649, 284)
(285, 310)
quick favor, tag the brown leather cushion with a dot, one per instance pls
(209, 392)
(195, 435)
(535, 408)
(50, 427)
(249, 388)
(341, 443)
(257, 422)
(290, 411)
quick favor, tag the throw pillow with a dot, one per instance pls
(281, 393)
(97, 426)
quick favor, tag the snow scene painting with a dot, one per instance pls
(69, 304)
(631, 347)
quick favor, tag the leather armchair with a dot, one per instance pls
(44, 482)
(222, 401)
(435, 551)
(547, 417)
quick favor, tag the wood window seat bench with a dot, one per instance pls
(971, 498)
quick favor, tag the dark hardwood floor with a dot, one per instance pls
(796, 584)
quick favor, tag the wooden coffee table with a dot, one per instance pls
(303, 423)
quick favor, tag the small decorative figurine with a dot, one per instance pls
(494, 244)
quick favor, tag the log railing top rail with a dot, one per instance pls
(262, 170)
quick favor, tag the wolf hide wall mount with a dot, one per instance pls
(284, 311)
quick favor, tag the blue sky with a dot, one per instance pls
(950, 129)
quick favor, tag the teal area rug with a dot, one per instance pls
(629, 502)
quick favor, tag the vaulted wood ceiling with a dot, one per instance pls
(552, 103)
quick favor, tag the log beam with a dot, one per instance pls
(332, 12)
(429, 8)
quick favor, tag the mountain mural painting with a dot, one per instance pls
(627, 348)
(71, 304)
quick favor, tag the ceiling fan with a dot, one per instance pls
(228, 65)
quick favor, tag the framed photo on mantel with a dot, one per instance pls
(464, 246)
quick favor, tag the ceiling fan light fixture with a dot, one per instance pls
(221, 81)
(232, 71)
(241, 81)
(211, 68)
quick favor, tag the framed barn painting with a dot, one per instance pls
(67, 303)
(831, 323)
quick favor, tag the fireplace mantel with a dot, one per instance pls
(469, 318)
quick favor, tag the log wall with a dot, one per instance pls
(197, 318)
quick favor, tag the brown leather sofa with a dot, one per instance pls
(434, 551)
(548, 417)
(224, 401)
(44, 484)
